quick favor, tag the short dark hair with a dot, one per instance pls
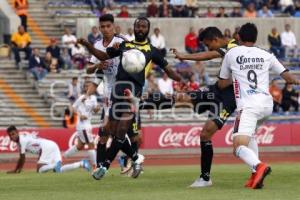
(107, 18)
(248, 33)
(210, 33)
(143, 19)
(11, 128)
(74, 78)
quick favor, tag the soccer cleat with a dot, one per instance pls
(57, 168)
(200, 182)
(86, 165)
(127, 168)
(137, 166)
(249, 182)
(99, 173)
(262, 170)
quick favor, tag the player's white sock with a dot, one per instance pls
(248, 156)
(46, 168)
(71, 151)
(92, 156)
(72, 166)
(254, 147)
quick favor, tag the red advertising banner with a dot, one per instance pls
(170, 137)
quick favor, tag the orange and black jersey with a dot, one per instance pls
(151, 54)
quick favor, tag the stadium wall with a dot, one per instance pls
(175, 29)
(169, 138)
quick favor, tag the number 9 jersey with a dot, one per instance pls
(249, 67)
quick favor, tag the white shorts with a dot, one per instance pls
(50, 153)
(249, 119)
(85, 136)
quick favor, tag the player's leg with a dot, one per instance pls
(104, 133)
(75, 148)
(76, 165)
(244, 128)
(50, 158)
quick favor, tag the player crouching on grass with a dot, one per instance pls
(48, 151)
(85, 106)
(248, 67)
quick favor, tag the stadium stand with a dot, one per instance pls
(29, 103)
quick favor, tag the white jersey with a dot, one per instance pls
(249, 68)
(110, 73)
(85, 108)
(33, 144)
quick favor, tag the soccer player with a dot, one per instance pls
(249, 66)
(85, 106)
(219, 103)
(106, 71)
(48, 151)
(120, 112)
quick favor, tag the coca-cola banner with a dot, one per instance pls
(189, 136)
(162, 137)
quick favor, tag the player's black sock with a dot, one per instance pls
(113, 150)
(127, 148)
(135, 146)
(206, 159)
(101, 153)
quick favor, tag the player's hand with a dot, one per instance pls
(83, 41)
(177, 54)
(116, 45)
(102, 65)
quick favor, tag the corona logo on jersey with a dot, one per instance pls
(243, 60)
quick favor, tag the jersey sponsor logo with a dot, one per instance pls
(264, 135)
(144, 48)
(236, 89)
(191, 138)
(244, 60)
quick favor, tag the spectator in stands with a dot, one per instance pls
(74, 90)
(275, 44)
(165, 85)
(288, 41)
(297, 9)
(209, 13)
(94, 35)
(130, 34)
(184, 69)
(164, 9)
(227, 34)
(54, 49)
(151, 84)
(158, 41)
(289, 98)
(192, 7)
(191, 43)
(118, 30)
(193, 85)
(21, 8)
(287, 6)
(152, 10)
(201, 45)
(124, 12)
(178, 8)
(221, 12)
(265, 12)
(51, 63)
(37, 66)
(235, 35)
(276, 93)
(21, 41)
(250, 11)
(203, 76)
(78, 56)
(236, 12)
(274, 4)
(67, 59)
(68, 40)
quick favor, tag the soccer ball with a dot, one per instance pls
(133, 61)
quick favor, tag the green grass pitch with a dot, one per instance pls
(157, 183)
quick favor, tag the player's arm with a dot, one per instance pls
(278, 68)
(97, 53)
(225, 74)
(20, 164)
(172, 74)
(208, 55)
